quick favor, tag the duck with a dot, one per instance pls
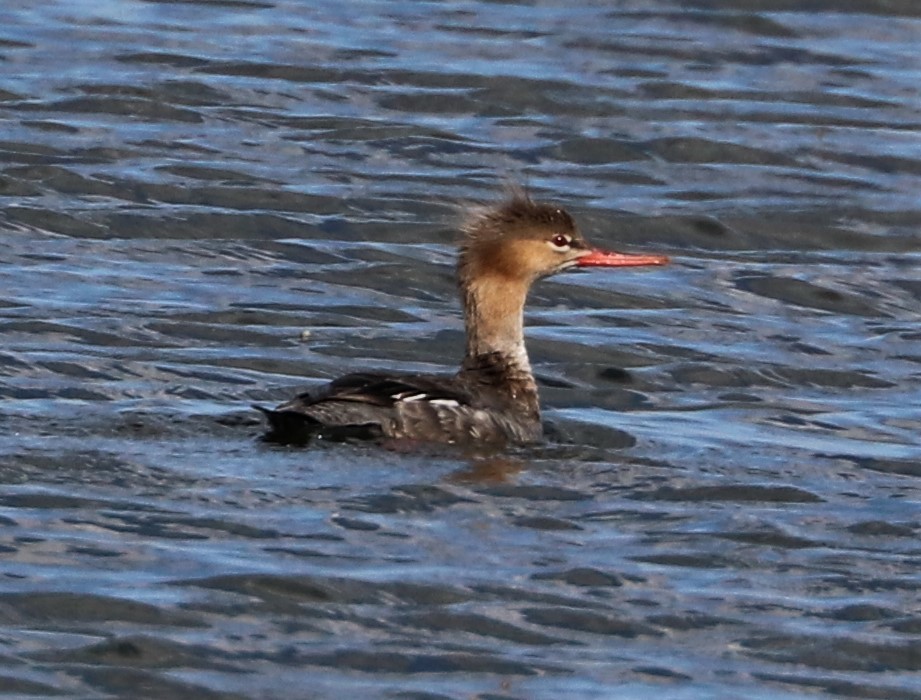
(493, 398)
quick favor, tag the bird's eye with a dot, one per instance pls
(561, 242)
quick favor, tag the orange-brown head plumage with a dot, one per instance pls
(517, 239)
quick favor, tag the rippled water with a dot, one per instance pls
(728, 504)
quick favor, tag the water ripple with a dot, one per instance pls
(209, 204)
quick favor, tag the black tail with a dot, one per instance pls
(288, 427)
(294, 428)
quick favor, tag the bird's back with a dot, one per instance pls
(447, 409)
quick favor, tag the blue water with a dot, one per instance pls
(206, 205)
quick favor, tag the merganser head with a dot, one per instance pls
(520, 240)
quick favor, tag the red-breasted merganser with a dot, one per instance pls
(493, 397)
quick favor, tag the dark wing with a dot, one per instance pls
(384, 390)
(360, 405)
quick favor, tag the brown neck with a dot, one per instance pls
(494, 320)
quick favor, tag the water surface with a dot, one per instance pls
(209, 204)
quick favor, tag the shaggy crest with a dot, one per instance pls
(514, 215)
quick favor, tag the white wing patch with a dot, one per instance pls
(409, 396)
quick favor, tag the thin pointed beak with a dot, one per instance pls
(603, 258)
